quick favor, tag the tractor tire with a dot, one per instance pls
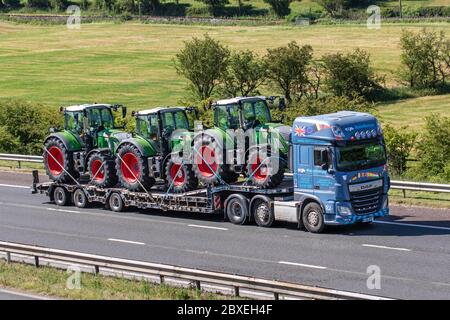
(56, 157)
(133, 171)
(208, 161)
(180, 177)
(261, 169)
(102, 176)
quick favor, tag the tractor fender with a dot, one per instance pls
(144, 146)
(71, 142)
(223, 139)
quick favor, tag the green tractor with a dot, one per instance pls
(244, 140)
(86, 145)
(156, 151)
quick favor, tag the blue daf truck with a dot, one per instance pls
(338, 176)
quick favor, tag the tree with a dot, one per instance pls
(399, 143)
(245, 74)
(215, 5)
(350, 74)
(10, 4)
(433, 149)
(280, 7)
(425, 58)
(288, 67)
(203, 62)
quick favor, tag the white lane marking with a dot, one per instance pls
(14, 186)
(385, 247)
(63, 210)
(413, 225)
(26, 295)
(302, 265)
(127, 241)
(206, 227)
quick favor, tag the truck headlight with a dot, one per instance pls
(344, 211)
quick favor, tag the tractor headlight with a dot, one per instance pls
(343, 210)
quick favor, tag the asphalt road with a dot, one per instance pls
(15, 295)
(411, 248)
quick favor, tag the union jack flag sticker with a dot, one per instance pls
(300, 131)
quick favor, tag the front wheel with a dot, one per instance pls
(101, 170)
(180, 177)
(312, 218)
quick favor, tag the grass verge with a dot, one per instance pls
(419, 198)
(52, 282)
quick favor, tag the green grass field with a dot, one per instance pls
(132, 63)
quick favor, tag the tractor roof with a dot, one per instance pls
(156, 110)
(237, 100)
(82, 107)
(344, 125)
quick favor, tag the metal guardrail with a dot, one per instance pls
(395, 184)
(196, 277)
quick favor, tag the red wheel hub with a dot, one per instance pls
(177, 175)
(259, 170)
(130, 167)
(55, 161)
(206, 163)
(97, 171)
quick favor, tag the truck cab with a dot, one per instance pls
(339, 163)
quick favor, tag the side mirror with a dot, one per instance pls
(124, 111)
(282, 104)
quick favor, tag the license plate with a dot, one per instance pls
(367, 219)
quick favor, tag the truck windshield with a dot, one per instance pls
(361, 156)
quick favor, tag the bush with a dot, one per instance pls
(433, 149)
(59, 5)
(246, 72)
(425, 59)
(287, 68)
(215, 6)
(38, 4)
(280, 7)
(198, 12)
(399, 143)
(24, 126)
(10, 4)
(323, 105)
(350, 74)
(203, 62)
(126, 7)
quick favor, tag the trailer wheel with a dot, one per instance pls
(79, 199)
(61, 196)
(262, 213)
(237, 209)
(115, 202)
(312, 217)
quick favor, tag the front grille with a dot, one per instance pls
(367, 201)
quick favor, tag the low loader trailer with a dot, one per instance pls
(338, 177)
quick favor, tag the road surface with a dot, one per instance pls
(411, 248)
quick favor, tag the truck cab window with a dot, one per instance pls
(318, 154)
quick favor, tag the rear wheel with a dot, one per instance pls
(180, 177)
(208, 163)
(61, 196)
(115, 202)
(101, 170)
(263, 213)
(237, 210)
(56, 159)
(132, 168)
(263, 169)
(79, 199)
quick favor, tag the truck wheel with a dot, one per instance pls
(115, 202)
(79, 199)
(132, 169)
(61, 196)
(180, 177)
(312, 217)
(101, 170)
(56, 157)
(261, 169)
(237, 209)
(208, 161)
(262, 213)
